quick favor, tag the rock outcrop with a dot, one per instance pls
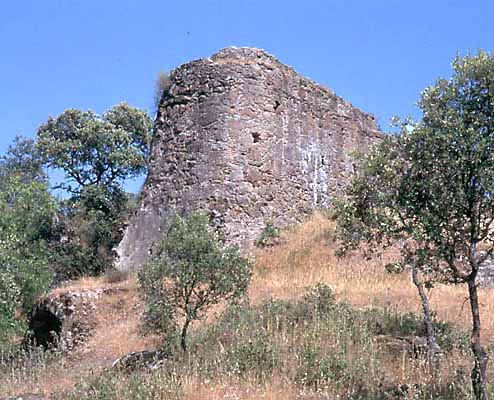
(246, 139)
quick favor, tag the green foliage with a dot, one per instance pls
(268, 234)
(191, 270)
(89, 227)
(385, 322)
(96, 154)
(26, 216)
(432, 184)
(327, 354)
(95, 150)
(430, 188)
(10, 302)
(22, 159)
(259, 356)
(318, 368)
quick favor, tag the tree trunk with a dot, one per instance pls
(432, 347)
(479, 371)
(183, 336)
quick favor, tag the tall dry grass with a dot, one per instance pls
(307, 256)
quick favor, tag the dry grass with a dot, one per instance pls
(91, 283)
(116, 333)
(307, 256)
(276, 389)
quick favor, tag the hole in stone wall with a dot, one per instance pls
(256, 136)
(45, 328)
(276, 104)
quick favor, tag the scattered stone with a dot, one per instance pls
(412, 345)
(140, 360)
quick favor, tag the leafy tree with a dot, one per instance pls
(95, 150)
(26, 216)
(375, 212)
(191, 271)
(433, 190)
(22, 159)
(96, 153)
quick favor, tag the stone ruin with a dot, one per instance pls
(246, 139)
(64, 319)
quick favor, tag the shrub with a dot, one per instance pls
(191, 271)
(319, 368)
(10, 301)
(258, 355)
(161, 88)
(267, 236)
(384, 322)
(320, 298)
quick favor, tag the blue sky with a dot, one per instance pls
(379, 55)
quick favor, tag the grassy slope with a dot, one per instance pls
(305, 257)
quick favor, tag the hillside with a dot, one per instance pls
(269, 349)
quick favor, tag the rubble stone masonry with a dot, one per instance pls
(246, 139)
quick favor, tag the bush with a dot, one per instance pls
(161, 88)
(10, 301)
(268, 235)
(26, 214)
(89, 227)
(319, 368)
(384, 322)
(258, 355)
(191, 271)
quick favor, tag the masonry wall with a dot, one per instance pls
(248, 140)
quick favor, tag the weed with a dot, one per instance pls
(268, 235)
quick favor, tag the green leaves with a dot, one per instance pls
(191, 271)
(26, 215)
(97, 150)
(97, 153)
(431, 186)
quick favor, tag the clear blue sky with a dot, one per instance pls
(91, 54)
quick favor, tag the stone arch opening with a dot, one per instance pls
(45, 328)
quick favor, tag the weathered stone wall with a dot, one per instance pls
(248, 140)
(65, 319)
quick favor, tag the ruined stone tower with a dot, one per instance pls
(248, 140)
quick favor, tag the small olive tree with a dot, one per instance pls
(191, 271)
(433, 189)
(375, 214)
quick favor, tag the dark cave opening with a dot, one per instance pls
(256, 136)
(45, 329)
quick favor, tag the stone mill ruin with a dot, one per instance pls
(247, 140)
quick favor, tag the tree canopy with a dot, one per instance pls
(95, 150)
(26, 216)
(430, 188)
